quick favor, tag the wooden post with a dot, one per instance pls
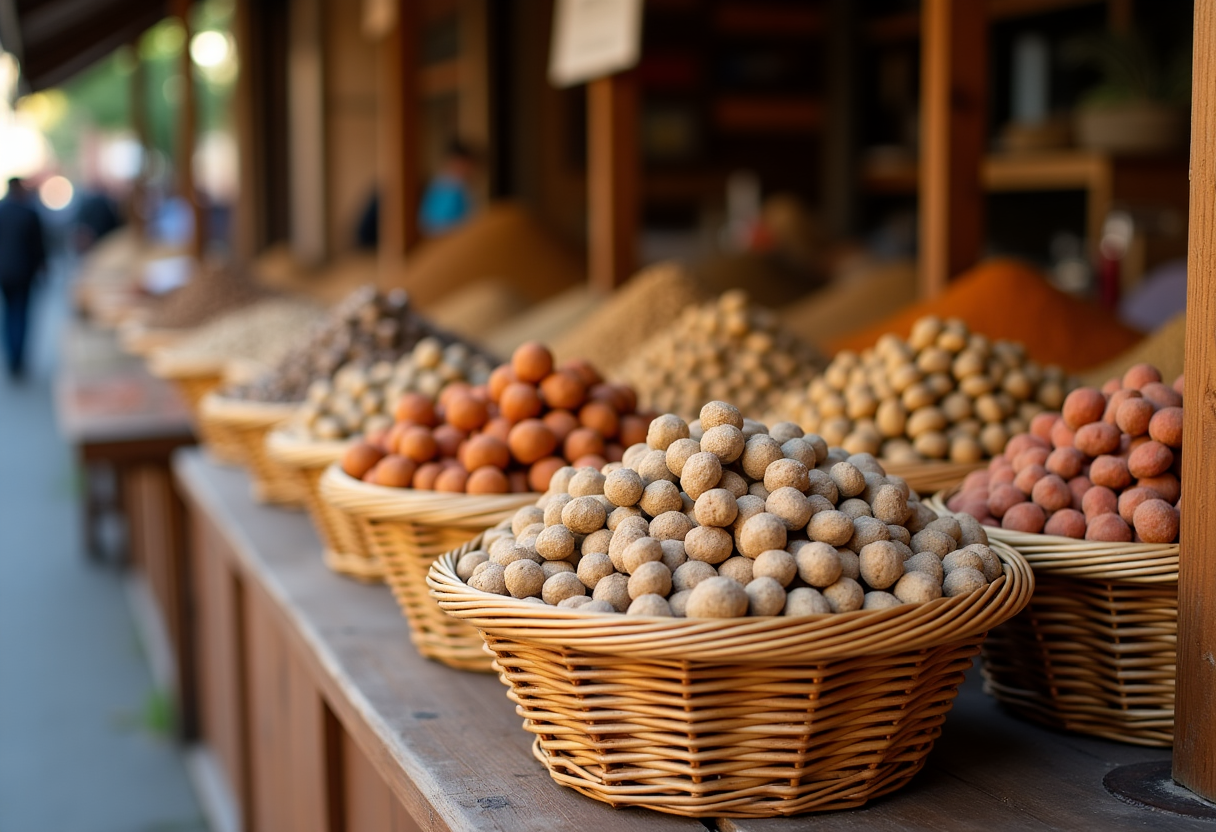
(187, 124)
(1195, 706)
(613, 171)
(248, 225)
(137, 91)
(954, 80)
(400, 138)
(473, 123)
(306, 147)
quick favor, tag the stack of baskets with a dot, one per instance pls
(404, 531)
(752, 717)
(1094, 651)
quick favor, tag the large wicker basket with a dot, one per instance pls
(346, 552)
(242, 426)
(194, 379)
(1094, 651)
(406, 530)
(752, 717)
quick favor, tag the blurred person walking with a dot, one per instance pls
(22, 256)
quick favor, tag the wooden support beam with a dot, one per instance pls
(137, 92)
(954, 81)
(1195, 705)
(400, 138)
(613, 173)
(248, 221)
(187, 130)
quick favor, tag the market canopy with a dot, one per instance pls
(55, 39)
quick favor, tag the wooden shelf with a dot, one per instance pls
(767, 114)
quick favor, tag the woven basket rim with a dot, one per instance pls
(142, 340)
(287, 448)
(934, 466)
(1133, 562)
(439, 508)
(164, 363)
(770, 639)
(244, 413)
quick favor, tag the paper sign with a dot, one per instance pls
(594, 38)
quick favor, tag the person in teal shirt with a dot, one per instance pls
(447, 203)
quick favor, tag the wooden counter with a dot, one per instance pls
(323, 717)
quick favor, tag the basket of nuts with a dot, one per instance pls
(1090, 498)
(748, 625)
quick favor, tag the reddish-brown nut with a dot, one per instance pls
(563, 389)
(1138, 375)
(1111, 385)
(487, 480)
(500, 377)
(1099, 500)
(1031, 456)
(498, 427)
(1024, 517)
(1042, 423)
(1062, 436)
(1028, 476)
(1166, 485)
(453, 478)
(1115, 400)
(418, 444)
(520, 401)
(448, 440)
(1023, 442)
(531, 361)
(1004, 497)
(466, 411)
(1051, 493)
(1097, 438)
(1131, 499)
(394, 471)
(1162, 395)
(583, 442)
(1065, 462)
(1156, 521)
(1149, 459)
(561, 423)
(584, 369)
(360, 458)
(542, 471)
(1166, 426)
(1079, 486)
(1111, 472)
(1109, 528)
(1179, 384)
(1133, 416)
(633, 429)
(1083, 406)
(600, 416)
(1004, 475)
(482, 450)
(529, 440)
(1066, 523)
(415, 408)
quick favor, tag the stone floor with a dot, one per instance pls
(83, 730)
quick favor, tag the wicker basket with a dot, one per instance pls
(346, 552)
(1094, 651)
(194, 380)
(138, 339)
(754, 717)
(406, 530)
(243, 426)
(931, 476)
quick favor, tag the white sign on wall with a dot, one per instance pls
(594, 38)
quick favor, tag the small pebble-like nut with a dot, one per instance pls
(1166, 485)
(674, 555)
(653, 604)
(642, 550)
(701, 472)
(867, 530)
(785, 431)
(849, 480)
(1134, 416)
(670, 525)
(516, 551)
(919, 516)
(800, 449)
(1083, 406)
(993, 568)
(584, 515)
(1028, 477)
(1110, 472)
(574, 602)
(1002, 498)
(777, 564)
(821, 483)
(850, 564)
(1162, 395)
(1150, 459)
(881, 564)
(737, 568)
(653, 466)
(1065, 463)
(791, 506)
(555, 542)
(553, 567)
(960, 558)
(806, 601)
(928, 563)
(1099, 500)
(598, 605)
(749, 506)
(1108, 527)
(765, 597)
(758, 453)
(664, 430)
(525, 517)
(879, 600)
(724, 441)
(845, 595)
(490, 577)
(889, 504)
(554, 504)
(678, 453)
(1156, 521)
(1139, 375)
(1051, 493)
(1066, 522)
(720, 413)
(917, 587)
(946, 525)
(1025, 517)
(623, 487)
(734, 483)
(629, 530)
(660, 496)
(470, 561)
(716, 507)
(1166, 427)
(1131, 499)
(524, 578)
(717, 597)
(620, 514)
(649, 578)
(972, 531)
(561, 586)
(761, 532)
(931, 540)
(687, 575)
(709, 544)
(963, 581)
(899, 534)
(614, 589)
(818, 564)
(832, 527)
(786, 473)
(1097, 438)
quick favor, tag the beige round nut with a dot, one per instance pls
(849, 480)
(679, 602)
(524, 578)
(654, 605)
(586, 483)
(765, 596)
(879, 600)
(919, 516)
(800, 449)
(690, 573)
(831, 527)
(960, 558)
(623, 487)
(490, 577)
(972, 531)
(720, 413)
(525, 517)
(822, 484)
(670, 525)
(664, 430)
(650, 578)
(806, 601)
(716, 507)
(678, 453)
(717, 597)
(574, 602)
(653, 466)
(660, 496)
(709, 544)
(761, 532)
(818, 564)
(759, 452)
(928, 563)
(749, 506)
(737, 568)
(642, 550)
(598, 605)
(734, 483)
(932, 444)
(791, 506)
(925, 419)
(598, 541)
(899, 533)
(947, 525)
(850, 564)
(726, 442)
(962, 581)
(621, 514)
(674, 555)
(992, 566)
(929, 540)
(553, 567)
(631, 457)
(777, 564)
(890, 505)
(584, 515)
(881, 564)
(867, 530)
(846, 595)
(555, 543)
(470, 561)
(507, 555)
(614, 589)
(786, 473)
(561, 586)
(630, 529)
(555, 504)
(702, 471)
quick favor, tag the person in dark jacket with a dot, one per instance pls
(22, 255)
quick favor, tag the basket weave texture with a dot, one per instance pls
(931, 476)
(346, 552)
(242, 427)
(751, 717)
(1094, 651)
(405, 530)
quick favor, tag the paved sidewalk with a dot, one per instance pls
(82, 742)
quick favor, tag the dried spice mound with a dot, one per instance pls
(210, 292)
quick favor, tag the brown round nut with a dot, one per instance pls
(649, 578)
(783, 473)
(867, 530)
(1166, 426)
(777, 564)
(733, 483)
(620, 514)
(765, 597)
(554, 505)
(1162, 395)
(653, 466)
(588, 482)
(674, 555)
(1131, 499)
(623, 487)
(879, 600)
(963, 581)
(687, 575)
(561, 586)
(679, 602)
(724, 441)
(1134, 415)
(1002, 498)
(553, 567)
(1051, 493)
(490, 577)
(1097, 438)
(831, 527)
(1108, 527)
(642, 550)
(524, 578)
(785, 431)
(670, 525)
(509, 554)
(889, 504)
(614, 589)
(716, 507)
(818, 564)
(555, 543)
(584, 515)
(948, 526)
(664, 430)
(928, 563)
(720, 413)
(821, 483)
(845, 595)
(931, 540)
(660, 496)
(470, 561)
(597, 605)
(899, 534)
(1025, 517)
(525, 517)
(653, 605)
(560, 481)
(919, 516)
(849, 480)
(881, 564)
(972, 530)
(1028, 477)
(678, 453)
(1139, 375)
(1065, 462)
(749, 506)
(1110, 472)
(960, 558)
(917, 587)
(850, 564)
(737, 568)
(800, 449)
(758, 452)
(629, 530)
(701, 472)
(1150, 459)
(1067, 522)
(717, 597)
(710, 544)
(993, 568)
(805, 601)
(574, 602)
(1166, 485)
(1156, 521)
(791, 506)
(1099, 500)
(1083, 406)
(761, 532)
